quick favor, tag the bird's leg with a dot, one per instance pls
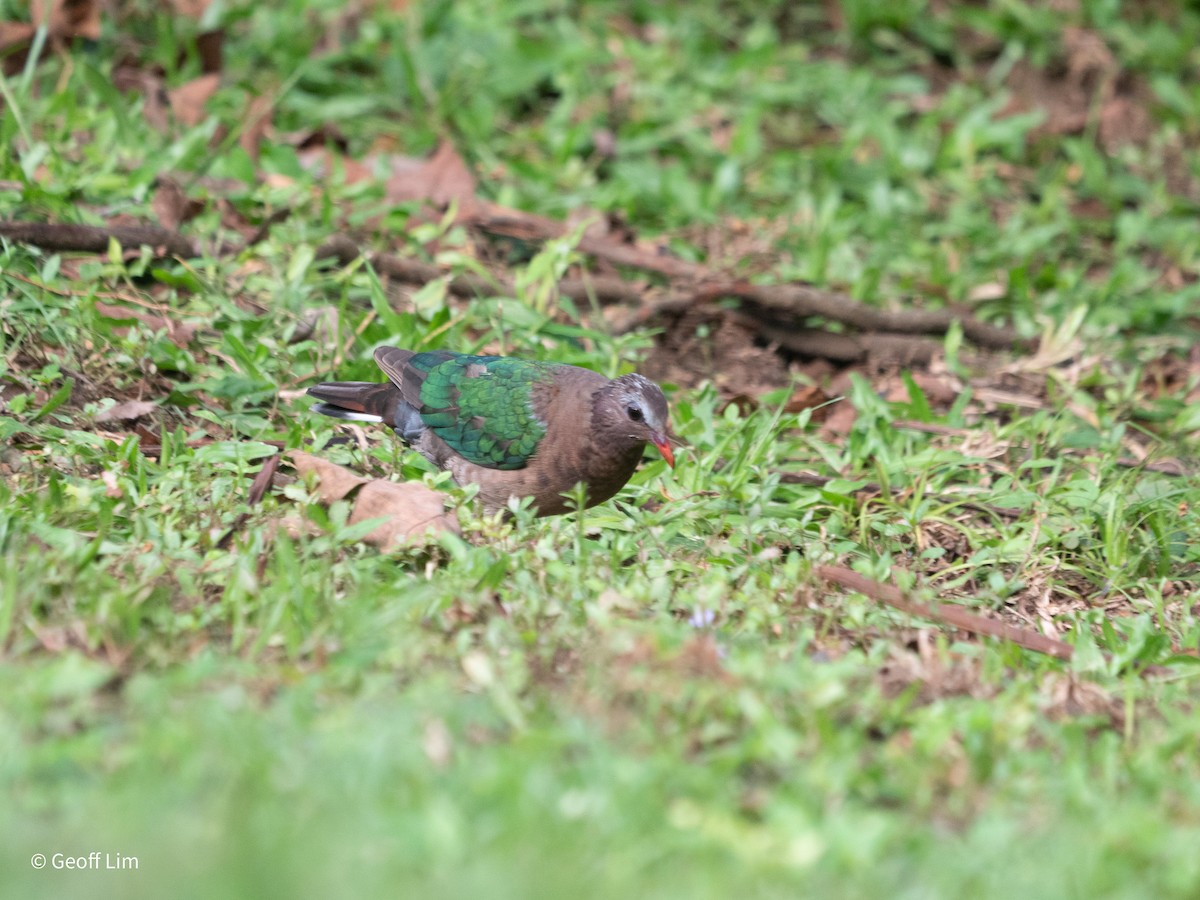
(577, 499)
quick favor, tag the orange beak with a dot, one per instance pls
(660, 441)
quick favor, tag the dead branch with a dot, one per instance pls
(1172, 467)
(804, 300)
(946, 614)
(956, 616)
(66, 236)
(777, 311)
(899, 349)
(793, 301)
(1168, 466)
(468, 285)
(515, 223)
(870, 488)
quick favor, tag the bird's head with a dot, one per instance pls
(634, 407)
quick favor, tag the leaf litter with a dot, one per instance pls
(746, 352)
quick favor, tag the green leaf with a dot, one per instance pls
(232, 451)
(57, 399)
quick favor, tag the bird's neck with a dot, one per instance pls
(608, 462)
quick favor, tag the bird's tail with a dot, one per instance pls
(357, 401)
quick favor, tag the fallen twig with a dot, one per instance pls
(902, 349)
(949, 614)
(469, 285)
(779, 312)
(1166, 466)
(811, 479)
(105, 295)
(795, 301)
(68, 236)
(803, 300)
(515, 223)
(1172, 467)
(258, 490)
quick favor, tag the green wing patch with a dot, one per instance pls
(482, 406)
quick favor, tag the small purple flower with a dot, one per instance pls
(702, 618)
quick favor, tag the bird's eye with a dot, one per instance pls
(634, 413)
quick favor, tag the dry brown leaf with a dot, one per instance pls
(809, 397)
(323, 135)
(743, 403)
(1088, 56)
(15, 38)
(180, 333)
(295, 527)
(256, 122)
(992, 397)
(112, 487)
(15, 34)
(1069, 695)
(127, 411)
(210, 47)
(1123, 121)
(334, 482)
(262, 481)
(700, 657)
(319, 323)
(409, 509)
(440, 179)
(989, 290)
(130, 78)
(188, 100)
(322, 161)
(193, 9)
(941, 389)
(232, 218)
(171, 205)
(68, 19)
(840, 419)
(57, 638)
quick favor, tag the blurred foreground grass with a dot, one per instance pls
(655, 700)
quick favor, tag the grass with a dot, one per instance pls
(657, 697)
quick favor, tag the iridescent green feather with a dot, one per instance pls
(482, 406)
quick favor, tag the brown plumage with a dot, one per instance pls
(516, 428)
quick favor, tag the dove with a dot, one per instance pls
(515, 427)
